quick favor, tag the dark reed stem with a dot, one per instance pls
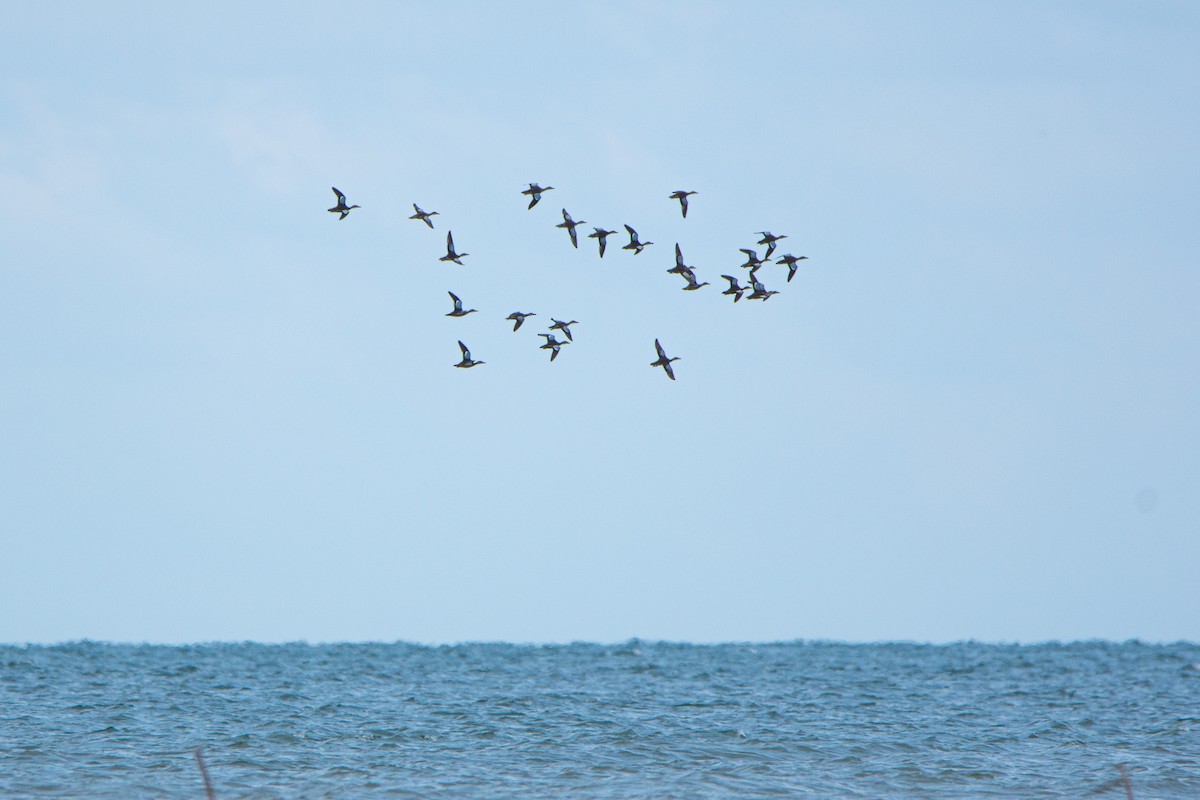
(208, 789)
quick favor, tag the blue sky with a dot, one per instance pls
(226, 415)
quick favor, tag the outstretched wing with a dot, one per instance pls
(670, 372)
(678, 256)
(338, 194)
(466, 353)
(457, 302)
(658, 347)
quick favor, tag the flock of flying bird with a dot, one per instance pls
(753, 263)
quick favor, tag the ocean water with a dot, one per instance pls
(633, 720)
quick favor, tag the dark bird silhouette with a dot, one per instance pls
(570, 224)
(682, 197)
(692, 286)
(790, 261)
(450, 254)
(467, 361)
(602, 235)
(424, 216)
(733, 289)
(663, 361)
(535, 193)
(552, 344)
(680, 268)
(518, 318)
(634, 244)
(769, 239)
(341, 207)
(564, 327)
(458, 309)
(760, 292)
(752, 259)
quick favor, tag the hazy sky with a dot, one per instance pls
(225, 414)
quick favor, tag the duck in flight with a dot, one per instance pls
(663, 361)
(424, 216)
(535, 193)
(682, 197)
(601, 235)
(341, 207)
(564, 327)
(769, 239)
(733, 289)
(790, 262)
(634, 244)
(467, 362)
(458, 309)
(760, 292)
(680, 268)
(450, 254)
(552, 344)
(518, 317)
(570, 224)
(752, 259)
(692, 286)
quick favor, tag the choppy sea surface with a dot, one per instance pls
(632, 720)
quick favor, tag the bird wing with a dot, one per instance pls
(658, 347)
(466, 353)
(678, 256)
(670, 372)
(733, 284)
(338, 194)
(632, 234)
(449, 242)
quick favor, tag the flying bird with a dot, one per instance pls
(682, 197)
(601, 235)
(518, 318)
(552, 344)
(790, 262)
(467, 361)
(692, 286)
(458, 309)
(760, 292)
(634, 244)
(680, 268)
(450, 254)
(424, 216)
(769, 239)
(663, 361)
(535, 193)
(733, 289)
(563, 326)
(570, 224)
(341, 207)
(752, 259)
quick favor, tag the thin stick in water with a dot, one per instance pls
(208, 790)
